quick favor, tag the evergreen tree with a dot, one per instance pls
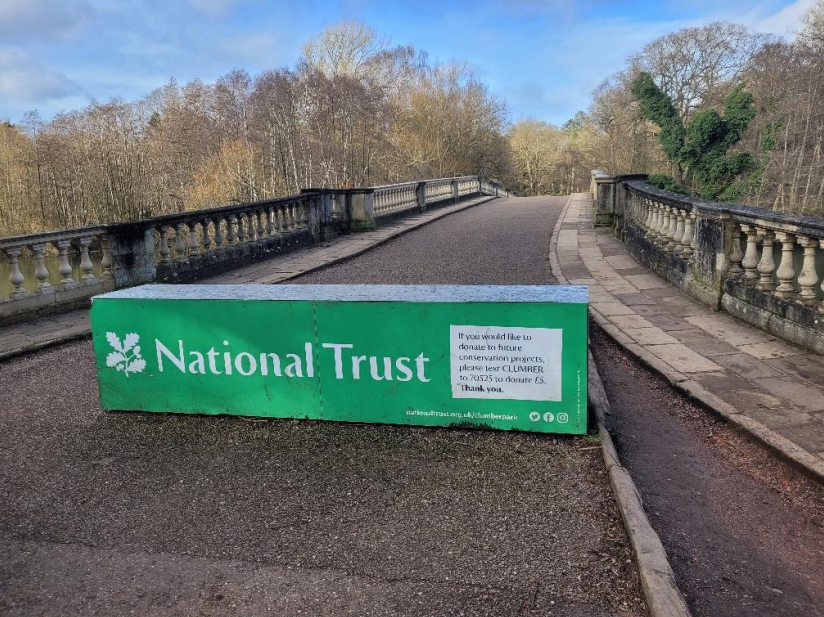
(702, 148)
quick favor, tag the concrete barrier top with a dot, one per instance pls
(559, 294)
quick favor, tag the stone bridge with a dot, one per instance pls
(722, 301)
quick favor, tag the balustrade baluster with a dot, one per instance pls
(808, 277)
(278, 220)
(64, 268)
(194, 247)
(270, 228)
(261, 229)
(736, 254)
(673, 226)
(694, 231)
(218, 220)
(664, 226)
(41, 273)
(766, 265)
(821, 304)
(786, 269)
(241, 229)
(165, 252)
(750, 261)
(180, 246)
(303, 214)
(686, 239)
(648, 219)
(207, 240)
(16, 277)
(653, 226)
(679, 232)
(287, 217)
(106, 258)
(86, 265)
(231, 237)
(250, 227)
(662, 232)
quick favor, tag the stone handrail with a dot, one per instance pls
(761, 266)
(190, 245)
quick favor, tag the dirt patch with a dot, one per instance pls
(744, 531)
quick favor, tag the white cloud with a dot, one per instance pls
(49, 20)
(24, 80)
(766, 16)
(785, 22)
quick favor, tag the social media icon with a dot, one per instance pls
(549, 416)
(534, 416)
(562, 417)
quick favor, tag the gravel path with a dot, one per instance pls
(176, 515)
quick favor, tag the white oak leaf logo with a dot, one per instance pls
(126, 355)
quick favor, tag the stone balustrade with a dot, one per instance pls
(397, 198)
(61, 270)
(467, 186)
(764, 267)
(393, 199)
(439, 191)
(231, 234)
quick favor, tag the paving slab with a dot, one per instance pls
(634, 299)
(803, 366)
(771, 349)
(809, 436)
(669, 322)
(722, 381)
(801, 395)
(686, 359)
(698, 339)
(747, 366)
(780, 417)
(630, 321)
(613, 308)
(649, 336)
(728, 330)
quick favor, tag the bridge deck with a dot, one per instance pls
(770, 388)
(166, 514)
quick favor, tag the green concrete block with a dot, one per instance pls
(504, 357)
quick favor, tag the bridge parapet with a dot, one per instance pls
(761, 266)
(60, 270)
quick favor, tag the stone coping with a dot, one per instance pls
(567, 294)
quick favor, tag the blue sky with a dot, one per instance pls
(543, 57)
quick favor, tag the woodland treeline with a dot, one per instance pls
(701, 70)
(356, 111)
(353, 112)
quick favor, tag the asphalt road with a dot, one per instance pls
(153, 514)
